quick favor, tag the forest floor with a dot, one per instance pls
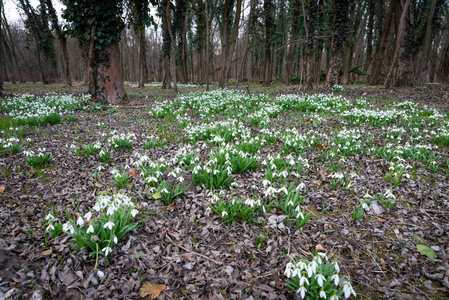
(369, 166)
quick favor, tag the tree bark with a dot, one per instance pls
(173, 43)
(269, 24)
(235, 30)
(341, 8)
(93, 68)
(207, 44)
(424, 74)
(310, 53)
(12, 46)
(1, 50)
(111, 89)
(400, 73)
(142, 42)
(380, 53)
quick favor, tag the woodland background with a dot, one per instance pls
(305, 42)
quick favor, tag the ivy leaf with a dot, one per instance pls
(424, 250)
(157, 196)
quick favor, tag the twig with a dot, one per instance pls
(196, 253)
(167, 295)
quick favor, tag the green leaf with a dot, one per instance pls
(157, 196)
(424, 250)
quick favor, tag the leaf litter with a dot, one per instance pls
(187, 252)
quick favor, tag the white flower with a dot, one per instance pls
(348, 290)
(333, 297)
(100, 274)
(68, 227)
(90, 229)
(337, 267)
(336, 279)
(180, 179)
(49, 228)
(323, 294)
(109, 225)
(303, 280)
(88, 216)
(365, 206)
(106, 250)
(165, 191)
(320, 279)
(115, 240)
(288, 270)
(111, 210)
(300, 214)
(134, 212)
(223, 214)
(302, 290)
(80, 222)
(50, 217)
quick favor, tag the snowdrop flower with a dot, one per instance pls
(300, 214)
(265, 182)
(180, 179)
(165, 191)
(68, 227)
(80, 222)
(50, 217)
(323, 294)
(320, 279)
(290, 203)
(348, 290)
(134, 212)
(88, 216)
(109, 225)
(365, 206)
(100, 274)
(303, 280)
(90, 229)
(223, 214)
(111, 210)
(301, 186)
(302, 291)
(49, 228)
(288, 269)
(283, 189)
(333, 297)
(106, 250)
(115, 240)
(337, 267)
(336, 279)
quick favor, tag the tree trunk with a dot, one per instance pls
(207, 44)
(142, 58)
(12, 46)
(427, 44)
(380, 54)
(341, 9)
(93, 68)
(310, 35)
(173, 42)
(111, 89)
(235, 30)
(269, 24)
(400, 73)
(433, 58)
(1, 50)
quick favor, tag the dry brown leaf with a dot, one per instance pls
(151, 289)
(2, 189)
(46, 252)
(320, 248)
(133, 173)
(323, 172)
